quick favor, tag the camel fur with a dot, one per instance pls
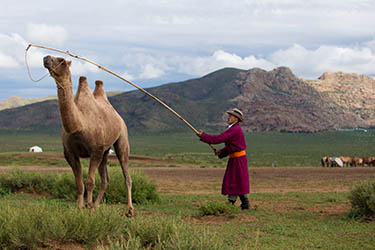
(90, 126)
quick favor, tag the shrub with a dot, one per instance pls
(217, 208)
(362, 198)
(62, 185)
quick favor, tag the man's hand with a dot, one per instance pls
(200, 133)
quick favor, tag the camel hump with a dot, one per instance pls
(82, 83)
(99, 92)
(83, 86)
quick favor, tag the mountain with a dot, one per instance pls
(271, 100)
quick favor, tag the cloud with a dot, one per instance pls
(12, 52)
(82, 68)
(150, 71)
(312, 63)
(7, 61)
(146, 66)
(309, 63)
(44, 34)
(221, 59)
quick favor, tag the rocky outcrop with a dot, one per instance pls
(278, 100)
(354, 94)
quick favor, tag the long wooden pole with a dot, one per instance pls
(122, 78)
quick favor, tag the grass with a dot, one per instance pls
(298, 225)
(263, 149)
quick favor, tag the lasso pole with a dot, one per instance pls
(122, 78)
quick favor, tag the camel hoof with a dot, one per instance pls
(90, 206)
(130, 212)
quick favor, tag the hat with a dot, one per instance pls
(237, 113)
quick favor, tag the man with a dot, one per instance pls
(236, 177)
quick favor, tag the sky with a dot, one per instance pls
(152, 42)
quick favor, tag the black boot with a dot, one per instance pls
(232, 202)
(245, 204)
(232, 199)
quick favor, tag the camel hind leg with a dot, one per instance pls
(122, 152)
(104, 178)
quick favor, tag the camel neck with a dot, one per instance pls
(69, 112)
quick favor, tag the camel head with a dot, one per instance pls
(58, 67)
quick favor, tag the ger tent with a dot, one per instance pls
(337, 161)
(35, 149)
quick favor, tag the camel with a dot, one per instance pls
(90, 127)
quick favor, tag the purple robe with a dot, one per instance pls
(236, 177)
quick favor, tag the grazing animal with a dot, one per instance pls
(324, 161)
(369, 161)
(90, 126)
(357, 161)
(346, 160)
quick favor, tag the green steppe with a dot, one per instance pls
(181, 221)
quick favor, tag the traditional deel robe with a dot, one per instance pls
(236, 177)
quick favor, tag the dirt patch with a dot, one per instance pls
(331, 209)
(262, 180)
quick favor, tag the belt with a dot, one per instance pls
(237, 154)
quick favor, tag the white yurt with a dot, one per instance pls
(111, 152)
(35, 149)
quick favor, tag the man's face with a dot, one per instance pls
(232, 119)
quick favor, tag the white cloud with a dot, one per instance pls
(220, 59)
(312, 63)
(7, 61)
(150, 71)
(82, 68)
(128, 76)
(45, 34)
(146, 66)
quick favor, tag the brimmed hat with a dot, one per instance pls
(237, 113)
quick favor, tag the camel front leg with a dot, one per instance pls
(95, 160)
(104, 178)
(75, 164)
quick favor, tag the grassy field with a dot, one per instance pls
(281, 221)
(193, 215)
(282, 149)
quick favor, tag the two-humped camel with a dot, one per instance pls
(90, 126)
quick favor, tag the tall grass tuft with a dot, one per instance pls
(218, 208)
(33, 225)
(62, 185)
(362, 198)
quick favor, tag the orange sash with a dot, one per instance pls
(237, 154)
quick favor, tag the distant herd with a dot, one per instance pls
(347, 161)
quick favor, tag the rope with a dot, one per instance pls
(28, 68)
(122, 78)
(44, 76)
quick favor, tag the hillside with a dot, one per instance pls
(353, 93)
(16, 101)
(271, 100)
